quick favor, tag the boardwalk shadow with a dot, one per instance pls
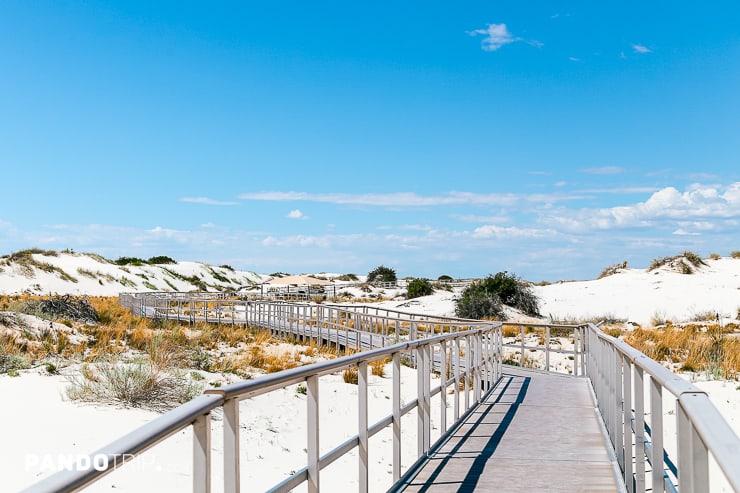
(473, 425)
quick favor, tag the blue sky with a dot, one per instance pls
(549, 139)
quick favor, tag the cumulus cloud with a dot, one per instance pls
(296, 214)
(701, 203)
(641, 48)
(206, 201)
(494, 36)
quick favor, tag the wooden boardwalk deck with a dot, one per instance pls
(534, 432)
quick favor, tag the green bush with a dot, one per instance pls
(161, 259)
(135, 261)
(445, 278)
(419, 287)
(382, 274)
(484, 298)
(479, 305)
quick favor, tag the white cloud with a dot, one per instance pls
(574, 59)
(409, 199)
(494, 36)
(206, 200)
(641, 49)
(296, 214)
(493, 231)
(604, 170)
(708, 206)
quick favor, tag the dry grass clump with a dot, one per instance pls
(690, 348)
(685, 263)
(141, 384)
(612, 269)
(377, 367)
(735, 254)
(351, 375)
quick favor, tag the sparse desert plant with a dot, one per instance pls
(479, 305)
(714, 256)
(351, 375)
(382, 274)
(419, 287)
(132, 384)
(445, 278)
(735, 254)
(612, 269)
(377, 367)
(685, 263)
(348, 277)
(301, 389)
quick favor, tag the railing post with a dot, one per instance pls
(627, 423)
(693, 459)
(202, 454)
(656, 416)
(639, 429)
(312, 446)
(231, 446)
(396, 416)
(547, 350)
(444, 372)
(363, 424)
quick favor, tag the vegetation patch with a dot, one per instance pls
(419, 287)
(484, 299)
(685, 263)
(382, 274)
(612, 269)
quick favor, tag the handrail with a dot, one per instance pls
(619, 375)
(478, 370)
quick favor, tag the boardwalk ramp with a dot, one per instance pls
(533, 432)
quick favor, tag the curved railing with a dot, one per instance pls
(631, 389)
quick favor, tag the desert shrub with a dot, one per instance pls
(227, 267)
(484, 298)
(132, 384)
(612, 269)
(479, 305)
(348, 277)
(377, 367)
(382, 274)
(161, 259)
(714, 256)
(445, 278)
(419, 287)
(735, 254)
(351, 375)
(135, 261)
(686, 263)
(11, 361)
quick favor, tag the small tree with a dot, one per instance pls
(419, 287)
(445, 278)
(382, 274)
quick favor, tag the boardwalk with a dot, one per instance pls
(535, 432)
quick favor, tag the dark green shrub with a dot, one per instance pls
(382, 274)
(161, 259)
(445, 278)
(484, 298)
(479, 305)
(419, 287)
(130, 261)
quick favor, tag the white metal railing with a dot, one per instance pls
(630, 389)
(470, 361)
